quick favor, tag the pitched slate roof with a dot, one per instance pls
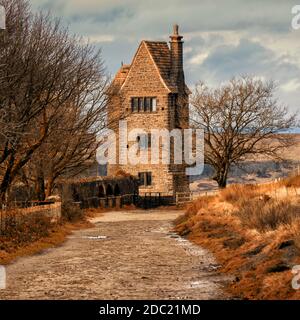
(160, 53)
(121, 76)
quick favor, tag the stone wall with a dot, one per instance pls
(52, 211)
(90, 193)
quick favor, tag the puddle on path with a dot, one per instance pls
(95, 237)
(208, 267)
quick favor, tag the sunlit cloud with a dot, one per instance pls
(291, 86)
(100, 38)
(199, 58)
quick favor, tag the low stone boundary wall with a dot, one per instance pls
(53, 211)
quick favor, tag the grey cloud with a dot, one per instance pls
(130, 21)
(194, 15)
(229, 60)
(247, 57)
(108, 17)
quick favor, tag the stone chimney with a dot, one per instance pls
(176, 46)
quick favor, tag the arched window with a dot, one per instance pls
(109, 190)
(101, 191)
(117, 190)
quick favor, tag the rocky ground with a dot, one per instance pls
(127, 255)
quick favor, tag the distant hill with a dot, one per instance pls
(292, 131)
(254, 170)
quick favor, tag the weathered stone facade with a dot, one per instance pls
(156, 72)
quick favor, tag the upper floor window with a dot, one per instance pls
(143, 104)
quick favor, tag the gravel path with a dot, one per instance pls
(127, 255)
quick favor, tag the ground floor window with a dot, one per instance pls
(144, 141)
(145, 178)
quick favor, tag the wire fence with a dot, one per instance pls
(275, 190)
(182, 198)
(24, 204)
(108, 201)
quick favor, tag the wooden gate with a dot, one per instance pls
(183, 198)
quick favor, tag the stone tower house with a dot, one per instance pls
(151, 93)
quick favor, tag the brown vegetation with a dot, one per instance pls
(71, 211)
(268, 214)
(23, 230)
(254, 233)
(122, 173)
(292, 182)
(237, 193)
(33, 233)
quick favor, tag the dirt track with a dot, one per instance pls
(139, 259)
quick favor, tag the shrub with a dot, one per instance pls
(122, 173)
(71, 212)
(19, 229)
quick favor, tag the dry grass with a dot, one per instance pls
(257, 209)
(55, 237)
(292, 182)
(237, 193)
(200, 203)
(268, 214)
(254, 235)
(33, 233)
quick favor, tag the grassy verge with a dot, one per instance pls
(35, 233)
(254, 232)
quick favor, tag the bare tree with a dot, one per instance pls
(69, 148)
(46, 74)
(240, 119)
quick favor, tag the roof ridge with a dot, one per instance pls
(155, 41)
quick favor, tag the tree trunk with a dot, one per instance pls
(222, 182)
(221, 177)
(3, 190)
(6, 181)
(49, 187)
(40, 186)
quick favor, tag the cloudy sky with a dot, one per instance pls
(222, 38)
